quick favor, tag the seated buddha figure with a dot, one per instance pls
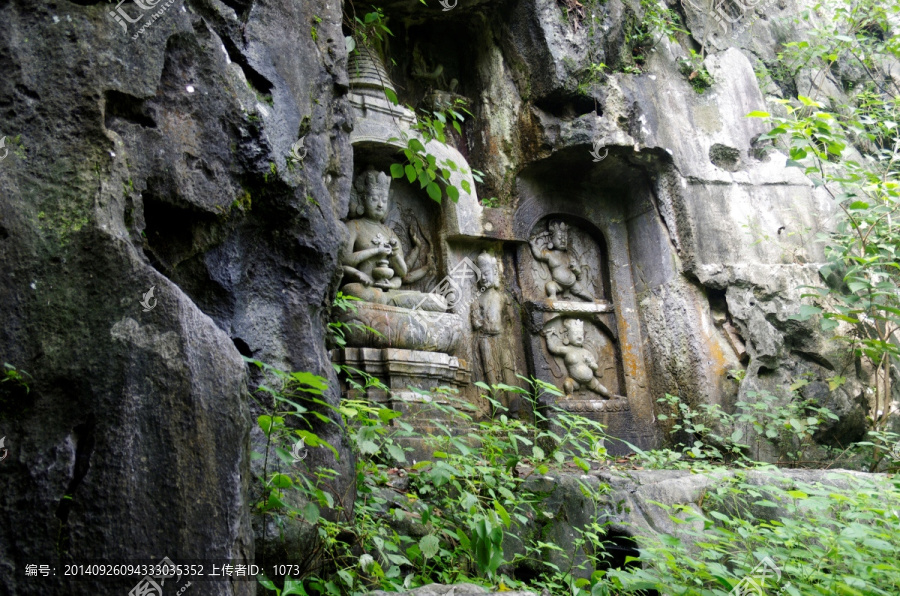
(372, 257)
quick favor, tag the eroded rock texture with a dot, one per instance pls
(154, 154)
(157, 162)
(709, 236)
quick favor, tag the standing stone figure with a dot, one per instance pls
(551, 247)
(580, 363)
(490, 314)
(372, 257)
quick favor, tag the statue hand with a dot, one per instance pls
(385, 251)
(365, 280)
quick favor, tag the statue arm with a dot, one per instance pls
(554, 344)
(575, 267)
(477, 320)
(413, 258)
(351, 259)
(536, 251)
(398, 263)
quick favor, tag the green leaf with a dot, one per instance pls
(265, 423)
(416, 145)
(392, 97)
(434, 191)
(293, 587)
(397, 453)
(368, 447)
(429, 545)
(453, 193)
(310, 513)
(809, 102)
(806, 311)
(410, 173)
(758, 114)
(281, 481)
(503, 513)
(346, 577)
(835, 382)
(396, 170)
(765, 503)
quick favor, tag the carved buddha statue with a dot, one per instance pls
(372, 258)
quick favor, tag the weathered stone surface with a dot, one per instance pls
(629, 503)
(404, 328)
(158, 157)
(158, 162)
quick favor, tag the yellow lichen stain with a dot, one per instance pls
(629, 358)
(717, 360)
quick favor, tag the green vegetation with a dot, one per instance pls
(692, 67)
(422, 166)
(825, 538)
(15, 378)
(448, 518)
(849, 148)
(447, 522)
(643, 32)
(419, 164)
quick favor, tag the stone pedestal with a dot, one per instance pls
(384, 326)
(403, 372)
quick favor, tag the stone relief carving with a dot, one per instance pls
(373, 259)
(490, 317)
(565, 275)
(581, 364)
(420, 258)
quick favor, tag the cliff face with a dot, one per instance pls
(154, 155)
(155, 159)
(718, 234)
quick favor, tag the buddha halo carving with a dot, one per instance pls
(581, 364)
(567, 275)
(490, 318)
(372, 258)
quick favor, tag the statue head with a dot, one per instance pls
(574, 332)
(369, 196)
(559, 235)
(490, 274)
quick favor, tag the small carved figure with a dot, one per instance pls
(551, 247)
(490, 315)
(419, 252)
(580, 363)
(372, 257)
